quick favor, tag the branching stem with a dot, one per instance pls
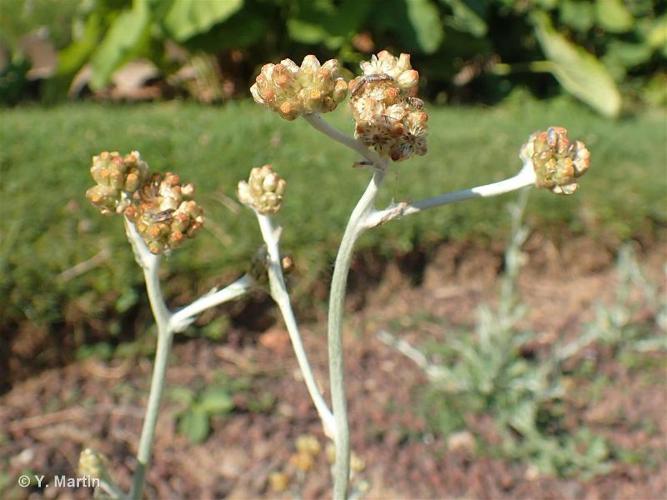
(526, 177)
(365, 216)
(355, 227)
(168, 323)
(279, 293)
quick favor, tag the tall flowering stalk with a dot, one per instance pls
(391, 126)
(159, 215)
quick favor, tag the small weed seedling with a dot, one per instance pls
(486, 374)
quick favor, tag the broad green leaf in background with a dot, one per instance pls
(216, 400)
(323, 22)
(425, 20)
(628, 54)
(187, 18)
(74, 56)
(305, 31)
(613, 16)
(194, 424)
(579, 72)
(240, 30)
(657, 35)
(126, 35)
(577, 15)
(468, 16)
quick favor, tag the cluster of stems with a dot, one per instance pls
(263, 194)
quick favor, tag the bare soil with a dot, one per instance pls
(47, 419)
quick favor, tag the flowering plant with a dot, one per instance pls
(390, 126)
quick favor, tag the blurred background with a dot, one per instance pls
(491, 352)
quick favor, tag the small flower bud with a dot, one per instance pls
(105, 198)
(117, 177)
(302, 461)
(287, 264)
(557, 161)
(278, 481)
(92, 464)
(307, 443)
(356, 463)
(397, 68)
(264, 190)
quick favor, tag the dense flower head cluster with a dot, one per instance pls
(163, 213)
(264, 190)
(557, 161)
(388, 117)
(398, 69)
(158, 205)
(116, 177)
(291, 90)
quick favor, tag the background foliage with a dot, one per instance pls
(48, 229)
(596, 50)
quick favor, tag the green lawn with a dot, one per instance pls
(47, 226)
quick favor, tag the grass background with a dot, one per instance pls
(47, 226)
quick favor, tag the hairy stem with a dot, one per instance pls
(164, 342)
(281, 297)
(182, 318)
(167, 325)
(526, 177)
(355, 227)
(318, 123)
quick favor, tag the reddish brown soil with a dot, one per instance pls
(46, 420)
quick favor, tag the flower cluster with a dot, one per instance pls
(388, 117)
(158, 205)
(117, 177)
(398, 69)
(264, 190)
(291, 90)
(163, 213)
(92, 464)
(557, 161)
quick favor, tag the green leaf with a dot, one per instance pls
(468, 16)
(657, 35)
(613, 16)
(305, 31)
(123, 40)
(628, 54)
(187, 18)
(577, 15)
(321, 22)
(182, 395)
(425, 20)
(216, 400)
(241, 30)
(194, 425)
(579, 72)
(74, 56)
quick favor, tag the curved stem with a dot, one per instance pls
(353, 230)
(182, 318)
(526, 177)
(167, 325)
(281, 297)
(318, 123)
